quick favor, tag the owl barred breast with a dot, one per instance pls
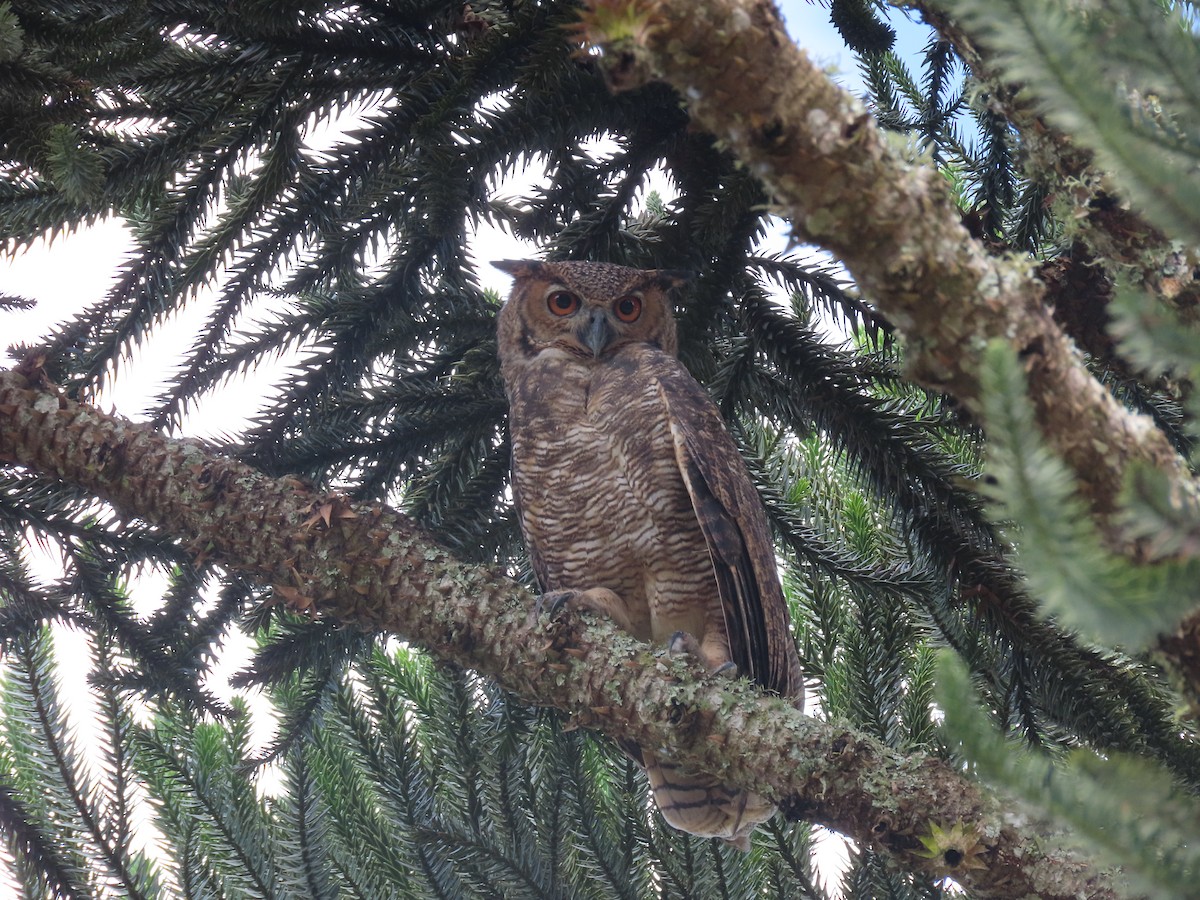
(633, 498)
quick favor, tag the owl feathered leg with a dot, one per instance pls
(600, 601)
(696, 803)
(702, 805)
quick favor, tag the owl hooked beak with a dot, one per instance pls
(595, 332)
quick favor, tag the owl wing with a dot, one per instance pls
(535, 560)
(735, 527)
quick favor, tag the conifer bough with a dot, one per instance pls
(372, 568)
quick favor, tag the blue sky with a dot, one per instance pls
(809, 25)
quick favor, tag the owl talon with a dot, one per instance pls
(561, 600)
(599, 601)
(727, 670)
(681, 643)
(552, 603)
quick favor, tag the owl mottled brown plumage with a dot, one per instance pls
(633, 499)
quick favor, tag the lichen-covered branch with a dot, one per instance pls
(892, 223)
(1079, 284)
(370, 567)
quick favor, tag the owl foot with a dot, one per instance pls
(600, 601)
(681, 643)
(551, 603)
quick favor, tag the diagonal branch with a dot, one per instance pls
(373, 568)
(892, 223)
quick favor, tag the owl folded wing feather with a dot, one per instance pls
(540, 573)
(735, 527)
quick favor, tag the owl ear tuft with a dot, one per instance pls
(672, 278)
(518, 268)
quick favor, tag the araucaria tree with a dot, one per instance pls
(973, 437)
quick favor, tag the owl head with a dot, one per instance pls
(586, 310)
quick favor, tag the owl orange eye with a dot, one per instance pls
(562, 303)
(628, 308)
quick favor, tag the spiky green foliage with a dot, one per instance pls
(410, 782)
(1126, 810)
(948, 113)
(82, 792)
(1122, 79)
(860, 25)
(1057, 545)
(302, 181)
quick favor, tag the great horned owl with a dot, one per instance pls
(634, 500)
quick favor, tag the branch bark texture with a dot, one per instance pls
(892, 223)
(372, 568)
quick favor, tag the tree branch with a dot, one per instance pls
(1110, 231)
(892, 223)
(374, 569)
(1079, 284)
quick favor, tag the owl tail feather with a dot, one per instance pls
(701, 805)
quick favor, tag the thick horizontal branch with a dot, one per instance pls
(372, 568)
(892, 223)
